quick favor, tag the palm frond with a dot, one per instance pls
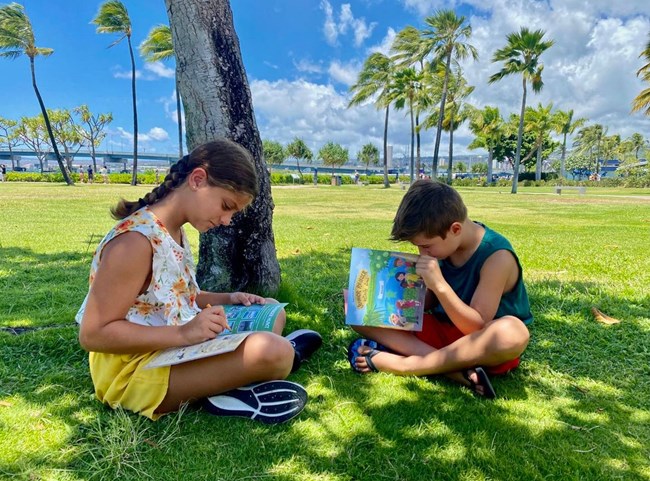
(113, 17)
(158, 44)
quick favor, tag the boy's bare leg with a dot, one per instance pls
(402, 342)
(501, 340)
(263, 356)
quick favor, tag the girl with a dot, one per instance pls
(143, 297)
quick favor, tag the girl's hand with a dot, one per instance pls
(207, 324)
(245, 298)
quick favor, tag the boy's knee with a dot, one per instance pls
(512, 334)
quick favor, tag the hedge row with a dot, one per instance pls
(280, 178)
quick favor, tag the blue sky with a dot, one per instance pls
(301, 57)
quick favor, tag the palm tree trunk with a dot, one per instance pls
(562, 160)
(134, 177)
(489, 166)
(59, 160)
(538, 164)
(179, 117)
(217, 100)
(417, 143)
(520, 134)
(451, 148)
(412, 176)
(436, 148)
(386, 181)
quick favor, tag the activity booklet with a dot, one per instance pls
(242, 319)
(384, 290)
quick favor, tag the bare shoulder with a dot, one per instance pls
(130, 249)
(502, 266)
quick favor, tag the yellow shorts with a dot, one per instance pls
(120, 380)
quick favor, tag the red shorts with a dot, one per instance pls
(440, 334)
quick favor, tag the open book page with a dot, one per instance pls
(384, 290)
(242, 319)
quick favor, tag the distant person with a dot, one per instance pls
(3, 173)
(144, 297)
(476, 298)
(82, 174)
(91, 176)
(356, 177)
(104, 172)
(315, 176)
(157, 176)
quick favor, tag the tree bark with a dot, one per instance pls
(217, 103)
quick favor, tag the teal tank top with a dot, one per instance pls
(464, 280)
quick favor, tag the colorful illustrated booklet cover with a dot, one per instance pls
(384, 290)
(242, 319)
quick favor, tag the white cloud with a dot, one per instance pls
(159, 69)
(155, 134)
(306, 65)
(329, 28)
(385, 45)
(119, 72)
(347, 21)
(171, 112)
(344, 73)
(318, 114)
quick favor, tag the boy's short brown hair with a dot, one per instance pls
(428, 208)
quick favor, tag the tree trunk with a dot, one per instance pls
(418, 166)
(179, 117)
(436, 148)
(59, 160)
(412, 145)
(217, 103)
(386, 181)
(538, 164)
(451, 147)
(489, 166)
(563, 160)
(134, 176)
(520, 135)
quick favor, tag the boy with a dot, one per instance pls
(476, 307)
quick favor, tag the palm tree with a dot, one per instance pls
(16, 39)
(489, 128)
(408, 52)
(456, 113)
(521, 56)
(157, 47)
(406, 85)
(299, 150)
(637, 141)
(642, 101)
(114, 18)
(376, 79)
(446, 40)
(589, 142)
(369, 154)
(539, 121)
(565, 125)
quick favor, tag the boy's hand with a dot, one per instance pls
(428, 268)
(207, 324)
(245, 298)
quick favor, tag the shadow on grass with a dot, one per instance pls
(574, 410)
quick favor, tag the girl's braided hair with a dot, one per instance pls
(228, 165)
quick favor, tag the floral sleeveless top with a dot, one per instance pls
(170, 298)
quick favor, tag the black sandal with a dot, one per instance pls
(483, 380)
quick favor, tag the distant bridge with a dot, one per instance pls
(103, 157)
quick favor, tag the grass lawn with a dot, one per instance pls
(577, 409)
